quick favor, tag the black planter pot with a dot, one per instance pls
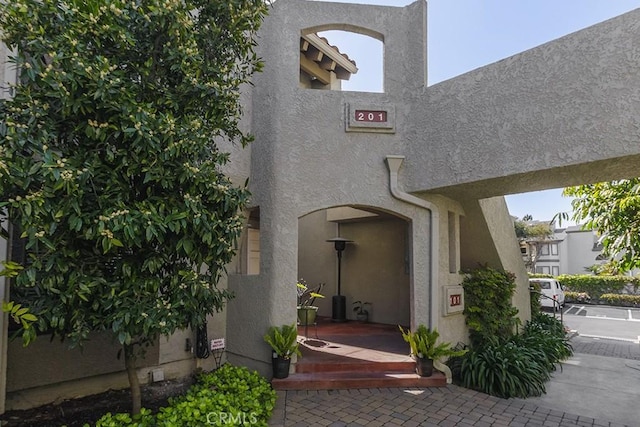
(280, 366)
(424, 367)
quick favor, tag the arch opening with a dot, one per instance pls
(342, 58)
(375, 266)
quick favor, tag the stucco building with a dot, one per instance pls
(414, 176)
(570, 250)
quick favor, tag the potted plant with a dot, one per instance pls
(362, 314)
(284, 342)
(306, 310)
(424, 349)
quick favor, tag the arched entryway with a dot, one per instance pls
(374, 267)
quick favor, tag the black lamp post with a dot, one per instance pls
(338, 302)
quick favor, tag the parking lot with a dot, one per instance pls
(604, 322)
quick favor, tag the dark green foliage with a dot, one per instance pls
(547, 334)
(534, 293)
(228, 396)
(109, 164)
(488, 309)
(503, 368)
(518, 366)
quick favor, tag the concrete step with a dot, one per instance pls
(304, 367)
(356, 380)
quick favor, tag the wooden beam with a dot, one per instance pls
(310, 67)
(328, 64)
(342, 74)
(329, 51)
(314, 54)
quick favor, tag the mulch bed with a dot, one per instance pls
(87, 410)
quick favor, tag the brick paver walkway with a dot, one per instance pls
(605, 347)
(448, 406)
(445, 406)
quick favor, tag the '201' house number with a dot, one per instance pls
(370, 116)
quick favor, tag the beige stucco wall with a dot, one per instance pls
(451, 327)
(317, 258)
(563, 113)
(487, 237)
(303, 160)
(375, 267)
(49, 371)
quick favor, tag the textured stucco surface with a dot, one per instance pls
(560, 114)
(535, 120)
(303, 160)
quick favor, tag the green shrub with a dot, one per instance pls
(144, 419)
(488, 310)
(518, 366)
(595, 286)
(579, 297)
(506, 369)
(540, 276)
(546, 322)
(621, 299)
(547, 334)
(534, 298)
(230, 395)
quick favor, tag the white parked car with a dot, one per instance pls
(551, 291)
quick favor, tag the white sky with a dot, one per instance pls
(467, 34)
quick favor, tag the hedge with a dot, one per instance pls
(621, 299)
(596, 286)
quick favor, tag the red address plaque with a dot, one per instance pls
(455, 299)
(371, 116)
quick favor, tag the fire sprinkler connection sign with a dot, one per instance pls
(217, 344)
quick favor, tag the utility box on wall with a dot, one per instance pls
(453, 299)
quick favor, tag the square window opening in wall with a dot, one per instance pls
(380, 118)
(329, 59)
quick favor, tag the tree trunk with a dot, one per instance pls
(134, 384)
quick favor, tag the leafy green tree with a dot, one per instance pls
(109, 164)
(613, 210)
(532, 235)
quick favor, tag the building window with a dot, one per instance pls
(555, 270)
(543, 269)
(554, 249)
(544, 249)
(250, 258)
